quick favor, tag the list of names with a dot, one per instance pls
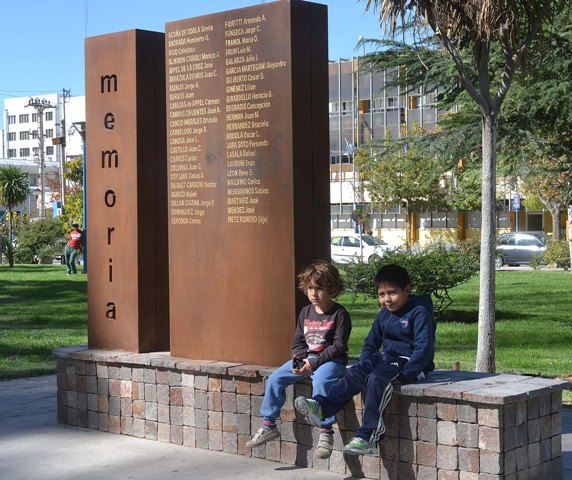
(220, 98)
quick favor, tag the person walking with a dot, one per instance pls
(73, 248)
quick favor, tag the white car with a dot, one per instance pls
(346, 248)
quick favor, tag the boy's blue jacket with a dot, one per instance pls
(408, 333)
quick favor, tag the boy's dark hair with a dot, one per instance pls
(321, 274)
(394, 274)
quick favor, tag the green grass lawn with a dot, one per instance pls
(41, 308)
(533, 323)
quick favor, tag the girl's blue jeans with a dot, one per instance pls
(322, 379)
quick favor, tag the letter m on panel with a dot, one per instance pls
(109, 156)
(106, 81)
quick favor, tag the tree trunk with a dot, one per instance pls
(570, 233)
(9, 247)
(555, 212)
(555, 208)
(486, 334)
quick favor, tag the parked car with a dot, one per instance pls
(518, 248)
(345, 248)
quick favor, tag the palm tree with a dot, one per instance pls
(14, 186)
(475, 25)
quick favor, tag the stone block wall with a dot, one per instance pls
(455, 426)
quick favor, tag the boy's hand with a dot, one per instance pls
(306, 370)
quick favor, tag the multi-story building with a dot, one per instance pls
(363, 105)
(38, 137)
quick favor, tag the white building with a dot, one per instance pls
(22, 136)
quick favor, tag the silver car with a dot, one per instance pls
(518, 248)
(346, 248)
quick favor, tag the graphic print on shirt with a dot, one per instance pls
(74, 239)
(315, 332)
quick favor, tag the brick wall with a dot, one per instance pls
(457, 425)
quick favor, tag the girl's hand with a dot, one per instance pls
(307, 369)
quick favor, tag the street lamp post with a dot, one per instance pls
(41, 104)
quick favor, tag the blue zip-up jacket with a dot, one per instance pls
(408, 333)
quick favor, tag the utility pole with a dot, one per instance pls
(41, 104)
(61, 141)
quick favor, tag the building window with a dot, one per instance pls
(391, 102)
(34, 179)
(35, 151)
(24, 118)
(334, 107)
(364, 106)
(11, 119)
(49, 132)
(24, 152)
(12, 153)
(431, 99)
(414, 102)
(34, 134)
(49, 116)
(12, 136)
(34, 117)
(49, 150)
(378, 104)
(24, 135)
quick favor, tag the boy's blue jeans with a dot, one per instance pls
(322, 379)
(374, 375)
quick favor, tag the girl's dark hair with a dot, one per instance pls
(394, 274)
(322, 274)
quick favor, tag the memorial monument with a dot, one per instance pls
(126, 192)
(248, 176)
(224, 166)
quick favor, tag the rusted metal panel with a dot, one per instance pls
(126, 192)
(248, 176)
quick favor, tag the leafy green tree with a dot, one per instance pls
(14, 187)
(540, 113)
(74, 200)
(397, 172)
(74, 172)
(469, 31)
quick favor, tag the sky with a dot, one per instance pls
(42, 42)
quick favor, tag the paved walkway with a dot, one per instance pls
(34, 446)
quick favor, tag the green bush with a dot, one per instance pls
(536, 261)
(35, 236)
(23, 255)
(557, 254)
(471, 246)
(434, 269)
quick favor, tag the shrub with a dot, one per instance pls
(358, 277)
(35, 235)
(434, 269)
(557, 253)
(471, 246)
(23, 255)
(536, 261)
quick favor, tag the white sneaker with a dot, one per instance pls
(310, 409)
(262, 436)
(325, 445)
(359, 446)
